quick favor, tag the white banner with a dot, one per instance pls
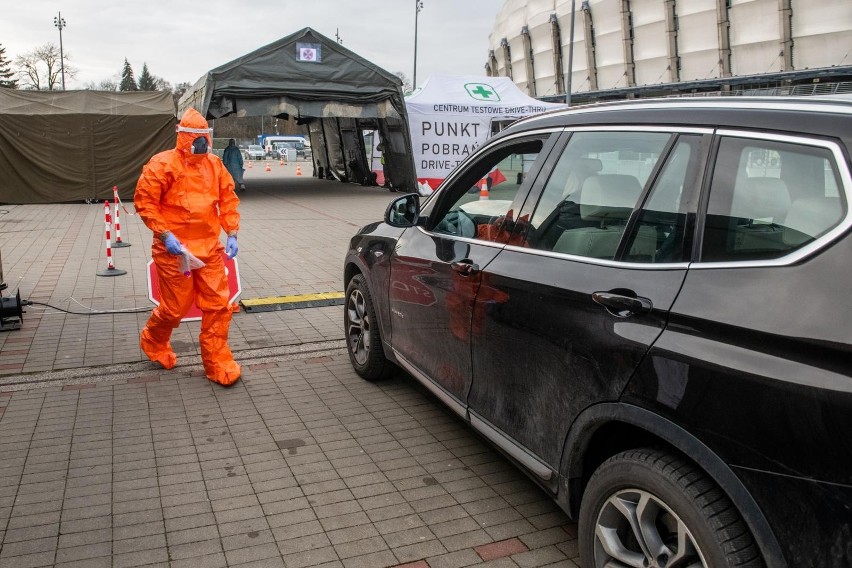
(441, 141)
(450, 117)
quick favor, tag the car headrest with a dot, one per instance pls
(809, 217)
(761, 198)
(588, 166)
(609, 196)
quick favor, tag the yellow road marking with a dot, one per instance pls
(291, 299)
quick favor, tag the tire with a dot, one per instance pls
(662, 492)
(362, 332)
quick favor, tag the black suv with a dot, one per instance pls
(647, 306)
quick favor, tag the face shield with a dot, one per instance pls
(200, 138)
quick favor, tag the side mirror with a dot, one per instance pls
(403, 211)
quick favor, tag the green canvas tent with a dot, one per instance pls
(336, 92)
(61, 146)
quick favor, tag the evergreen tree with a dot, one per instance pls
(7, 76)
(128, 83)
(147, 82)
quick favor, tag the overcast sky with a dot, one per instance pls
(180, 40)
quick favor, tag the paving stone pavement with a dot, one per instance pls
(300, 464)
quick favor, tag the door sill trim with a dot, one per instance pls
(517, 452)
(433, 387)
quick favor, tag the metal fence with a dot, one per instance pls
(815, 89)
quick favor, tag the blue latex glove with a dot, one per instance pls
(231, 247)
(172, 244)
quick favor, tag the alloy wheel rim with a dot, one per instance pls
(358, 326)
(636, 529)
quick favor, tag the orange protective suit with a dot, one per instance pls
(192, 196)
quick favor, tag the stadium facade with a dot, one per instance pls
(638, 48)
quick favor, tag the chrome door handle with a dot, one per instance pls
(621, 305)
(465, 267)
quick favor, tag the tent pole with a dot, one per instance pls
(325, 148)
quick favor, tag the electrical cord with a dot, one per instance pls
(90, 312)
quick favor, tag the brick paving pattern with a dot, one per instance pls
(300, 464)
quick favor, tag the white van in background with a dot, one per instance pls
(300, 144)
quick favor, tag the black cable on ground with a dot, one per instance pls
(91, 313)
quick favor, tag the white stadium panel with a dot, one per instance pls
(513, 17)
(538, 22)
(698, 40)
(609, 45)
(498, 33)
(820, 32)
(538, 8)
(650, 42)
(580, 69)
(500, 25)
(519, 67)
(541, 40)
(755, 37)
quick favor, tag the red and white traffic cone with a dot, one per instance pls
(118, 243)
(483, 191)
(249, 164)
(268, 169)
(110, 270)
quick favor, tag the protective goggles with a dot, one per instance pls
(180, 128)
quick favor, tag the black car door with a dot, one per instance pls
(436, 268)
(568, 313)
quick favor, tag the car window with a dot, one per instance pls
(481, 199)
(768, 199)
(595, 186)
(658, 235)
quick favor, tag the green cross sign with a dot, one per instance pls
(482, 92)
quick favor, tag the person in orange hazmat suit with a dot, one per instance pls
(186, 197)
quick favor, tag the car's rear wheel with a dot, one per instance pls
(362, 332)
(648, 508)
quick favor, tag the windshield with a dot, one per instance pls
(255, 147)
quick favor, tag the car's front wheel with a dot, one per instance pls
(649, 508)
(362, 332)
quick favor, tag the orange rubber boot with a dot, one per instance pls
(165, 356)
(225, 373)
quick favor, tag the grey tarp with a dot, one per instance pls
(329, 87)
(59, 146)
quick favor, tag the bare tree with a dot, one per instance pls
(406, 84)
(162, 84)
(103, 85)
(41, 68)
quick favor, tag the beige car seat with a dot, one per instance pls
(608, 200)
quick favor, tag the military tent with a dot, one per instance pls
(334, 91)
(60, 146)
